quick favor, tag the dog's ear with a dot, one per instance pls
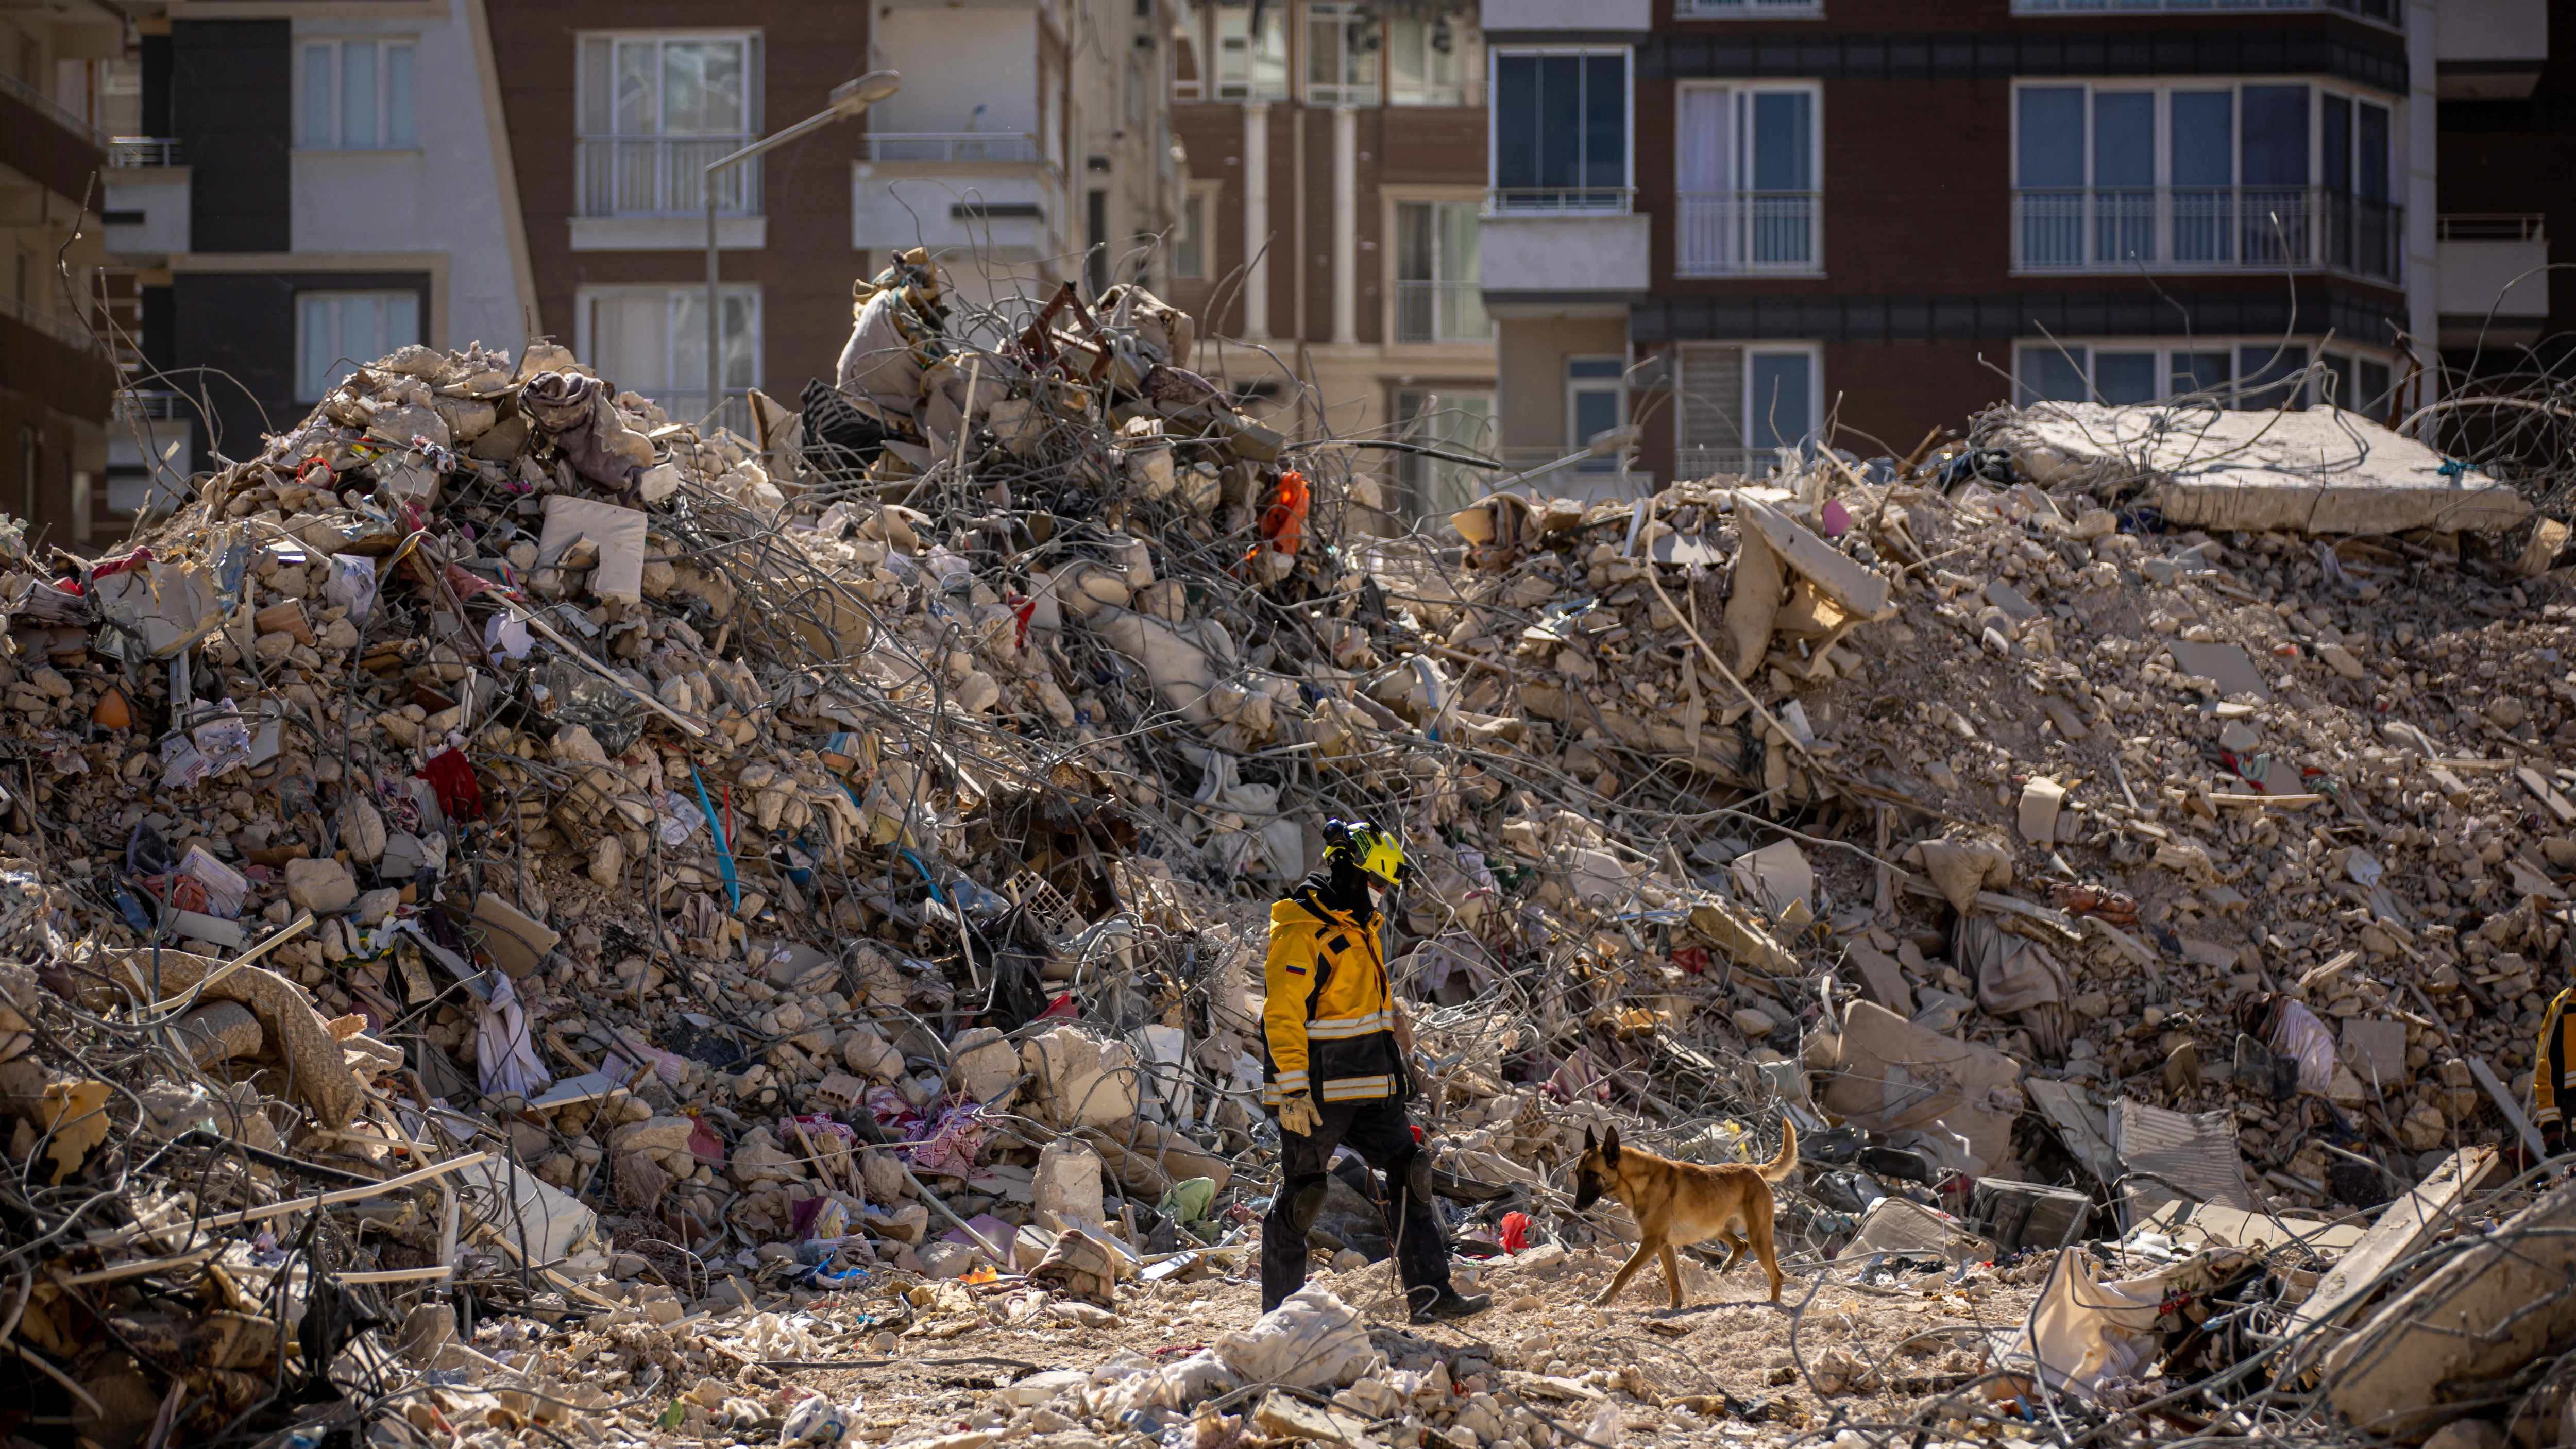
(1588, 1143)
(1610, 1147)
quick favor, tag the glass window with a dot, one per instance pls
(336, 333)
(2268, 376)
(2335, 388)
(360, 95)
(2124, 139)
(2370, 154)
(2052, 137)
(1781, 408)
(2371, 393)
(1595, 402)
(2203, 131)
(2198, 372)
(1433, 61)
(648, 85)
(2124, 378)
(1461, 421)
(1560, 131)
(1437, 298)
(1341, 55)
(2051, 373)
(654, 340)
(2276, 136)
(1189, 247)
(1250, 67)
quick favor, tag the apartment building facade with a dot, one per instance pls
(306, 186)
(1729, 221)
(1331, 227)
(310, 183)
(57, 375)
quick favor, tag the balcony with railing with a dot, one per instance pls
(1748, 9)
(1748, 234)
(1560, 201)
(45, 143)
(1427, 311)
(136, 153)
(952, 146)
(2384, 11)
(663, 176)
(2207, 229)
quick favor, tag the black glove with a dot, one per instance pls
(2553, 1138)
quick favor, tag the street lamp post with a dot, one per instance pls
(848, 99)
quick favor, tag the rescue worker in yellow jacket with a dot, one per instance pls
(1336, 1070)
(2551, 1085)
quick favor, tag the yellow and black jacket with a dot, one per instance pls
(2553, 1054)
(1328, 1027)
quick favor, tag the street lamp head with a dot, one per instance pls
(851, 97)
(1610, 441)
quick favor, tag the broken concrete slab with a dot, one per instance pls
(1860, 591)
(2320, 471)
(2228, 664)
(617, 532)
(516, 941)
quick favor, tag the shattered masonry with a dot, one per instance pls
(536, 922)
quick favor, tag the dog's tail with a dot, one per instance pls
(1781, 1166)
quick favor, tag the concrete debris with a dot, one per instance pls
(609, 930)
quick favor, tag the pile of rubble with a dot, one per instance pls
(542, 920)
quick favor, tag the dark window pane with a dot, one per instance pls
(2204, 144)
(2336, 139)
(1516, 121)
(2196, 372)
(1560, 112)
(2124, 139)
(2054, 374)
(2372, 390)
(2276, 135)
(2123, 378)
(1605, 121)
(2267, 371)
(1783, 141)
(2371, 154)
(2052, 136)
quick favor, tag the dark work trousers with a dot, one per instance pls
(1382, 1135)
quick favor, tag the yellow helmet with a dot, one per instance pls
(1373, 848)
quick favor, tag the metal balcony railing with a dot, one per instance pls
(1748, 233)
(2383, 11)
(46, 106)
(135, 153)
(1441, 312)
(648, 176)
(952, 146)
(1747, 9)
(135, 403)
(1700, 461)
(66, 330)
(2491, 226)
(1559, 201)
(2207, 229)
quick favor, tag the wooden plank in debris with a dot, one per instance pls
(2403, 1229)
(1837, 576)
(2546, 793)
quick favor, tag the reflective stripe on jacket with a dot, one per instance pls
(1328, 1027)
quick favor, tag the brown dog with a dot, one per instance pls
(1683, 1202)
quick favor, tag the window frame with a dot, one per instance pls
(1815, 354)
(2164, 90)
(1467, 90)
(2233, 347)
(1495, 55)
(754, 59)
(1251, 88)
(1204, 196)
(1394, 280)
(1740, 136)
(1354, 16)
(306, 364)
(585, 343)
(336, 45)
(1417, 475)
(1615, 384)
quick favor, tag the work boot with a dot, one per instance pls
(1452, 1304)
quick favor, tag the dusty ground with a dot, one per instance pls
(1543, 1346)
